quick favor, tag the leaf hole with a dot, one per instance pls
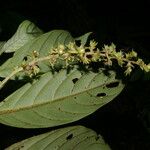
(101, 95)
(69, 137)
(75, 97)
(75, 80)
(25, 58)
(112, 85)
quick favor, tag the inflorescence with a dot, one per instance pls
(73, 54)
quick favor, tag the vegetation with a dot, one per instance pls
(63, 79)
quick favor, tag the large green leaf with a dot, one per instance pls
(42, 44)
(76, 137)
(26, 32)
(59, 98)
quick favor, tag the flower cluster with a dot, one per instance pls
(30, 65)
(73, 54)
(87, 54)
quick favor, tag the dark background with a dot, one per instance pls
(124, 123)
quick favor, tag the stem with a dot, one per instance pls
(2, 83)
(39, 60)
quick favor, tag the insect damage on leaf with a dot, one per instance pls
(75, 80)
(112, 85)
(101, 94)
(69, 137)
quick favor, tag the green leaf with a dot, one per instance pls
(26, 32)
(83, 38)
(75, 137)
(59, 98)
(42, 44)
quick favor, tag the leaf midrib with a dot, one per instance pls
(54, 101)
